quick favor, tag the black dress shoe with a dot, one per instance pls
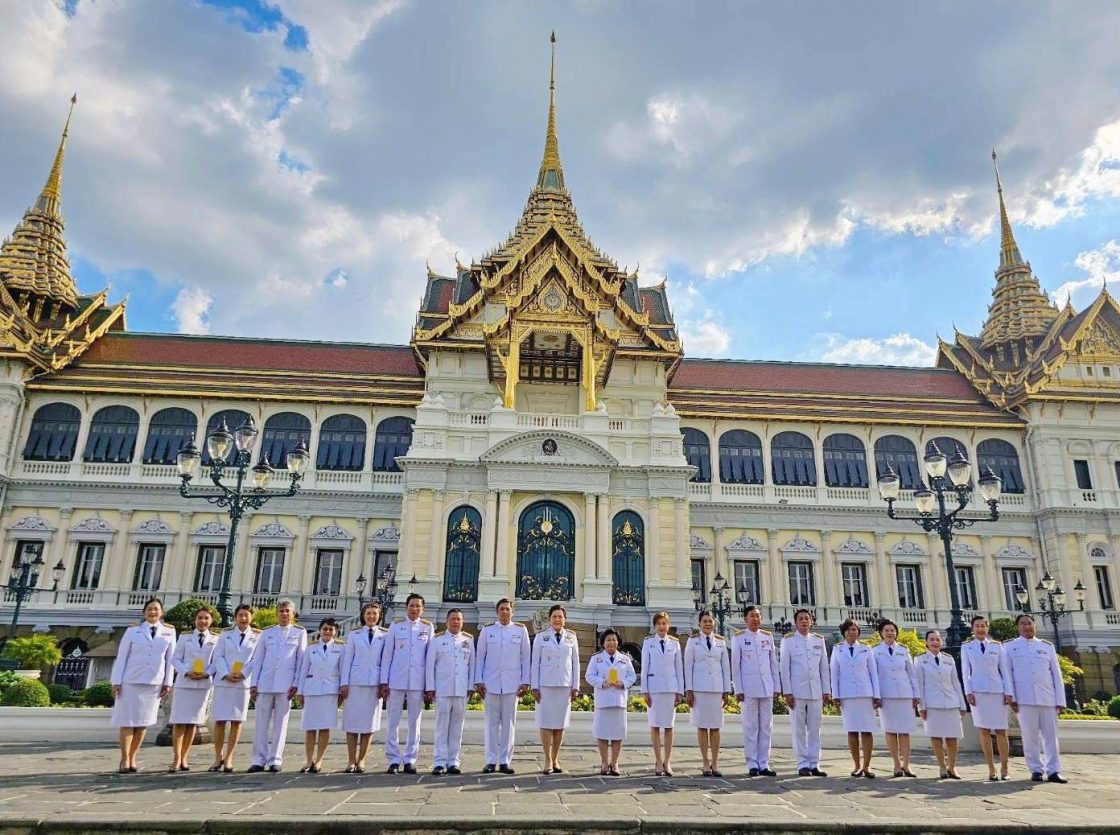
(393, 768)
(274, 769)
(489, 768)
(454, 769)
(1056, 778)
(1036, 777)
(254, 769)
(505, 769)
(437, 771)
(409, 768)
(804, 772)
(816, 772)
(767, 772)
(753, 772)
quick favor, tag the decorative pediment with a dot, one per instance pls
(1100, 340)
(908, 548)
(549, 448)
(389, 534)
(853, 546)
(273, 530)
(963, 549)
(32, 523)
(745, 543)
(94, 524)
(695, 541)
(153, 526)
(1013, 551)
(214, 528)
(332, 532)
(801, 545)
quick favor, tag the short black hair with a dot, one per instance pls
(373, 604)
(451, 612)
(1024, 615)
(556, 607)
(152, 600)
(610, 630)
(806, 611)
(884, 623)
(498, 605)
(413, 596)
(848, 624)
(936, 632)
(329, 622)
(702, 614)
(752, 608)
(244, 607)
(976, 618)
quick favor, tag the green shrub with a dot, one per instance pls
(181, 615)
(637, 704)
(27, 692)
(584, 703)
(1070, 671)
(1095, 707)
(527, 702)
(99, 694)
(1069, 714)
(830, 709)
(1003, 629)
(780, 706)
(1114, 707)
(683, 707)
(264, 618)
(7, 679)
(59, 693)
(33, 652)
(908, 638)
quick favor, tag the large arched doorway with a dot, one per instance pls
(546, 555)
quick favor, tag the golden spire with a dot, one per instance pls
(1009, 255)
(50, 201)
(551, 175)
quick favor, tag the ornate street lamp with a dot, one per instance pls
(1051, 602)
(719, 602)
(949, 483)
(783, 626)
(25, 580)
(384, 591)
(232, 451)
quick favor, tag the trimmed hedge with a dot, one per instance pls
(59, 693)
(99, 695)
(1114, 707)
(26, 692)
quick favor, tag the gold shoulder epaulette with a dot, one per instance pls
(516, 623)
(254, 628)
(1044, 641)
(766, 632)
(816, 634)
(738, 632)
(399, 620)
(465, 632)
(968, 640)
(428, 622)
(788, 635)
(994, 641)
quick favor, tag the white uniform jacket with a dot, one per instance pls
(361, 662)
(707, 669)
(143, 658)
(276, 662)
(555, 663)
(662, 665)
(598, 673)
(983, 669)
(320, 669)
(450, 665)
(503, 657)
(231, 649)
(186, 652)
(1036, 678)
(405, 654)
(803, 663)
(854, 673)
(754, 664)
(938, 685)
(897, 679)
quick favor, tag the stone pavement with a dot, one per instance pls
(54, 787)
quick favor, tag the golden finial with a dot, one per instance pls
(1009, 255)
(464, 524)
(50, 201)
(551, 175)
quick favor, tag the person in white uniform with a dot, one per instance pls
(403, 667)
(806, 686)
(275, 670)
(898, 689)
(361, 686)
(141, 677)
(754, 672)
(707, 688)
(191, 691)
(941, 703)
(1038, 696)
(229, 667)
(319, 688)
(662, 687)
(502, 677)
(855, 687)
(449, 678)
(611, 673)
(554, 679)
(987, 688)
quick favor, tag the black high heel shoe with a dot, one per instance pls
(215, 768)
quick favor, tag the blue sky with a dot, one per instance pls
(812, 188)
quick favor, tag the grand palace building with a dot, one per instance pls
(543, 436)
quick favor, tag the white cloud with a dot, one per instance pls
(899, 349)
(1101, 264)
(705, 337)
(191, 310)
(675, 127)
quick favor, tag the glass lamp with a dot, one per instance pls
(889, 483)
(1059, 597)
(1022, 596)
(924, 499)
(298, 458)
(262, 473)
(935, 461)
(1079, 594)
(219, 442)
(1048, 582)
(246, 435)
(360, 584)
(990, 485)
(188, 458)
(960, 471)
(57, 572)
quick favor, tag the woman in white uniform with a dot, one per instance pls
(554, 678)
(662, 686)
(941, 703)
(235, 650)
(855, 688)
(191, 691)
(320, 685)
(611, 673)
(987, 687)
(141, 676)
(898, 688)
(361, 687)
(707, 688)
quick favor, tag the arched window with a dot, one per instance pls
(168, 432)
(698, 453)
(740, 458)
(54, 432)
(845, 461)
(1004, 461)
(281, 434)
(902, 455)
(394, 437)
(342, 443)
(628, 562)
(948, 447)
(233, 418)
(793, 460)
(112, 435)
(460, 569)
(546, 552)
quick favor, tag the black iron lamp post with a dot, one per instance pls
(1051, 602)
(949, 484)
(24, 582)
(230, 454)
(783, 626)
(719, 602)
(384, 591)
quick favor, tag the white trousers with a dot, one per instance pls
(501, 711)
(805, 720)
(412, 741)
(758, 722)
(450, 713)
(1040, 738)
(272, 711)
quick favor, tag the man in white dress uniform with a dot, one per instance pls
(1038, 696)
(403, 668)
(806, 684)
(450, 675)
(754, 671)
(274, 672)
(502, 677)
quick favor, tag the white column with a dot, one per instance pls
(832, 599)
(356, 559)
(59, 546)
(119, 556)
(680, 518)
(489, 536)
(184, 576)
(408, 536)
(436, 537)
(1086, 567)
(590, 511)
(720, 561)
(501, 562)
(885, 582)
(302, 565)
(779, 589)
(939, 590)
(653, 542)
(245, 565)
(603, 532)
(992, 597)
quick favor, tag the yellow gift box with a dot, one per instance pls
(236, 668)
(612, 676)
(198, 666)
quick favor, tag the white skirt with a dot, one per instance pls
(663, 712)
(707, 711)
(361, 712)
(896, 716)
(137, 707)
(609, 723)
(554, 710)
(944, 723)
(231, 704)
(989, 711)
(188, 705)
(320, 713)
(858, 715)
